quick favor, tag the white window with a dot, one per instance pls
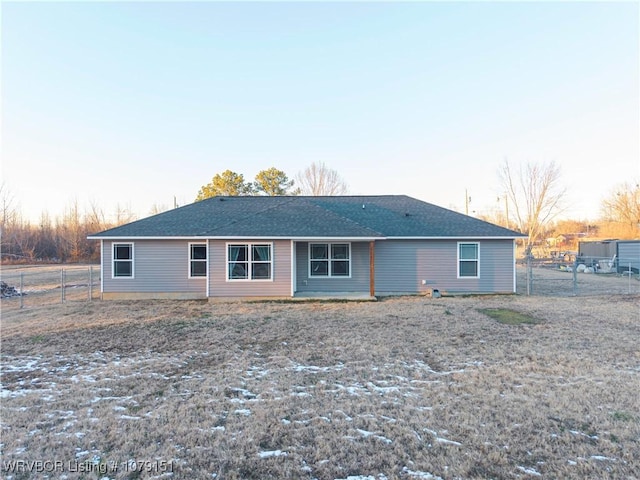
(197, 260)
(122, 261)
(329, 259)
(468, 260)
(249, 261)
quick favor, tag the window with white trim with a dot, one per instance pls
(468, 260)
(329, 259)
(122, 261)
(197, 260)
(249, 261)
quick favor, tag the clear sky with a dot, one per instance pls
(133, 103)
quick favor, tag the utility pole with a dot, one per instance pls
(467, 201)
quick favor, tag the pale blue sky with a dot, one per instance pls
(135, 103)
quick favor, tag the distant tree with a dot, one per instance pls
(319, 180)
(124, 215)
(158, 208)
(622, 206)
(9, 213)
(273, 182)
(536, 195)
(227, 183)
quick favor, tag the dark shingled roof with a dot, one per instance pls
(294, 217)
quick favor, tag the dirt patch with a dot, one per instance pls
(401, 388)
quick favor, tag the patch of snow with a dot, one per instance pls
(423, 475)
(346, 417)
(272, 453)
(98, 399)
(601, 458)
(448, 442)
(380, 476)
(129, 417)
(367, 434)
(300, 394)
(242, 411)
(83, 378)
(257, 372)
(315, 369)
(29, 366)
(576, 432)
(382, 390)
(530, 471)
(441, 439)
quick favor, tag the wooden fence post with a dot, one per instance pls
(62, 285)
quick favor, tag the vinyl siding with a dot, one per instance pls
(279, 286)
(158, 266)
(359, 281)
(402, 265)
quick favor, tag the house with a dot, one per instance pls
(300, 246)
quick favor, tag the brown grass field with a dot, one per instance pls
(407, 388)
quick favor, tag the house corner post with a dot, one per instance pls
(372, 268)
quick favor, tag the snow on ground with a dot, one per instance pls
(97, 375)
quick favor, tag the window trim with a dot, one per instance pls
(114, 260)
(329, 260)
(205, 260)
(476, 260)
(250, 261)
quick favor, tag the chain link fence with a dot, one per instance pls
(579, 276)
(45, 285)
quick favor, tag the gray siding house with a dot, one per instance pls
(275, 247)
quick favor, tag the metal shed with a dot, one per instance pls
(625, 253)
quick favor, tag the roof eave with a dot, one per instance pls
(305, 238)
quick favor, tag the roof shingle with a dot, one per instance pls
(384, 216)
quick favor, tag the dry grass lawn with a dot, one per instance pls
(410, 388)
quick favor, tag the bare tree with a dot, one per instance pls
(157, 208)
(536, 196)
(124, 214)
(317, 179)
(623, 206)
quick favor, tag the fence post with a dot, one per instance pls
(62, 285)
(21, 289)
(90, 282)
(629, 277)
(575, 277)
(529, 271)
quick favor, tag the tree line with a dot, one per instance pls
(64, 238)
(533, 199)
